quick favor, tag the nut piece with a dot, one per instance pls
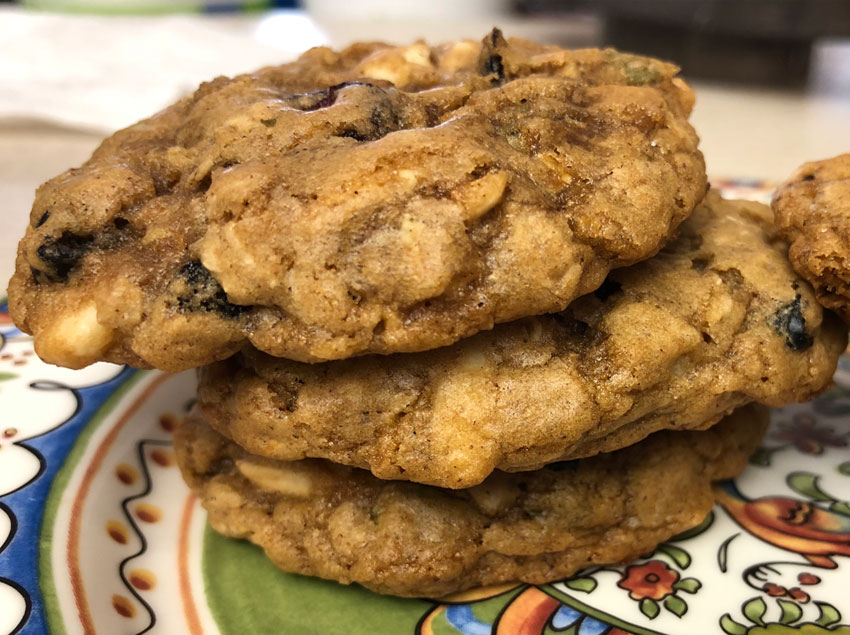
(276, 479)
(483, 194)
(222, 494)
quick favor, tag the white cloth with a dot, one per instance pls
(103, 73)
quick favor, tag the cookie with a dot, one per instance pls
(317, 518)
(813, 212)
(714, 321)
(376, 200)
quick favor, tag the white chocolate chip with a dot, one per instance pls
(393, 65)
(391, 70)
(720, 307)
(74, 340)
(417, 54)
(461, 55)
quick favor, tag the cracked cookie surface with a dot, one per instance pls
(813, 212)
(375, 200)
(716, 320)
(317, 518)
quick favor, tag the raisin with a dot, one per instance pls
(43, 219)
(268, 123)
(37, 275)
(204, 293)
(789, 322)
(354, 134)
(63, 254)
(493, 66)
(321, 98)
(491, 61)
(326, 97)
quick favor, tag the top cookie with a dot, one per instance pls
(375, 200)
(813, 212)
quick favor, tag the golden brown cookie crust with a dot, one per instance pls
(813, 212)
(376, 200)
(317, 518)
(714, 321)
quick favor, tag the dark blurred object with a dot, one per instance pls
(753, 41)
(154, 7)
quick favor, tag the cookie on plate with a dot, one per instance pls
(813, 211)
(714, 321)
(375, 200)
(317, 518)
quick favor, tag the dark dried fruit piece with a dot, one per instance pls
(493, 66)
(491, 60)
(205, 293)
(43, 219)
(357, 136)
(323, 98)
(63, 254)
(790, 323)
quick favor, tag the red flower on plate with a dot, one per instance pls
(653, 580)
(808, 436)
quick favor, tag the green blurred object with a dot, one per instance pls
(152, 7)
(248, 594)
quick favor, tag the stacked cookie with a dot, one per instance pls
(487, 273)
(813, 214)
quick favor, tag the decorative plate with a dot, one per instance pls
(98, 533)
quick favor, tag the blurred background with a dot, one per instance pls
(772, 77)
